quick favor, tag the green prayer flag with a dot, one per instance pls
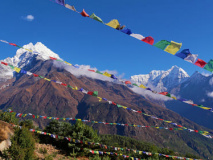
(162, 44)
(135, 84)
(93, 16)
(98, 72)
(209, 66)
(168, 95)
(12, 67)
(119, 105)
(41, 77)
(95, 93)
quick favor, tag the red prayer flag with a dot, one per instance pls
(84, 14)
(33, 116)
(196, 131)
(92, 152)
(91, 70)
(114, 103)
(128, 82)
(13, 44)
(163, 93)
(63, 84)
(53, 58)
(148, 40)
(139, 111)
(35, 75)
(4, 63)
(179, 126)
(90, 93)
(170, 129)
(200, 63)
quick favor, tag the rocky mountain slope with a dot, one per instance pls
(29, 94)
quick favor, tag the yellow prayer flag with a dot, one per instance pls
(28, 50)
(206, 108)
(64, 119)
(142, 86)
(174, 98)
(173, 47)
(113, 23)
(17, 69)
(140, 152)
(47, 79)
(107, 74)
(75, 88)
(124, 107)
(67, 63)
(100, 99)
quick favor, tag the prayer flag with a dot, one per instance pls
(107, 74)
(209, 66)
(142, 86)
(98, 72)
(163, 93)
(128, 82)
(162, 44)
(113, 23)
(183, 54)
(200, 63)
(95, 93)
(13, 44)
(4, 63)
(173, 47)
(93, 16)
(17, 69)
(148, 40)
(70, 7)
(61, 2)
(84, 14)
(113, 77)
(137, 36)
(191, 58)
(91, 70)
(127, 31)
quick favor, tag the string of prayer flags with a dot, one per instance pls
(200, 63)
(148, 40)
(173, 48)
(21, 115)
(170, 47)
(113, 23)
(209, 66)
(190, 57)
(61, 2)
(84, 14)
(110, 102)
(93, 16)
(103, 146)
(162, 44)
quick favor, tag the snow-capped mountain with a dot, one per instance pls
(23, 57)
(162, 80)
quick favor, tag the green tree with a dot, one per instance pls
(23, 145)
(9, 117)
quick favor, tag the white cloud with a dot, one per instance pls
(210, 94)
(29, 18)
(83, 71)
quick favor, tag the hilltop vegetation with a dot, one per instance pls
(23, 141)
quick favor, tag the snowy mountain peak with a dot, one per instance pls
(162, 80)
(24, 57)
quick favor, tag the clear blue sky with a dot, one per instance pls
(82, 40)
